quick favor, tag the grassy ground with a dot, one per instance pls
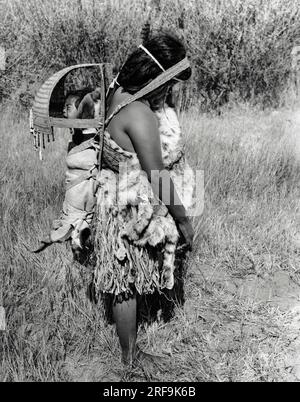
(234, 326)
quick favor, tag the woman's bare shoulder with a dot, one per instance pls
(136, 118)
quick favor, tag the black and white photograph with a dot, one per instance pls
(149, 194)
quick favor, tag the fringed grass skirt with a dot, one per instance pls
(138, 275)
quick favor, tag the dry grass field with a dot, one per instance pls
(241, 319)
(238, 323)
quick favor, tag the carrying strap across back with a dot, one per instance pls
(154, 84)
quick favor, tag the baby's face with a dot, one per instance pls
(70, 109)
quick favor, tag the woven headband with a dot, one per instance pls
(156, 61)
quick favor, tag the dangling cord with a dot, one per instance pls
(52, 132)
(35, 141)
(40, 146)
(32, 130)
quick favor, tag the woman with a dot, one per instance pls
(138, 242)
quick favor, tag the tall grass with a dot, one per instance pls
(252, 165)
(239, 49)
(250, 225)
(251, 162)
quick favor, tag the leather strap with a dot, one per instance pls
(167, 75)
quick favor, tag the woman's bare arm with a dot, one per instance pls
(142, 127)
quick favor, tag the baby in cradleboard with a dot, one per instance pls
(78, 207)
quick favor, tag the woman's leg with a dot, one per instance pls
(124, 314)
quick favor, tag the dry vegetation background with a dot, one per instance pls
(247, 237)
(239, 49)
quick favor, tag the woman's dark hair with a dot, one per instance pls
(139, 69)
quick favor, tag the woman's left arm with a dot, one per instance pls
(142, 128)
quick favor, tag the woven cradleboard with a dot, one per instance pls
(43, 119)
(46, 115)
